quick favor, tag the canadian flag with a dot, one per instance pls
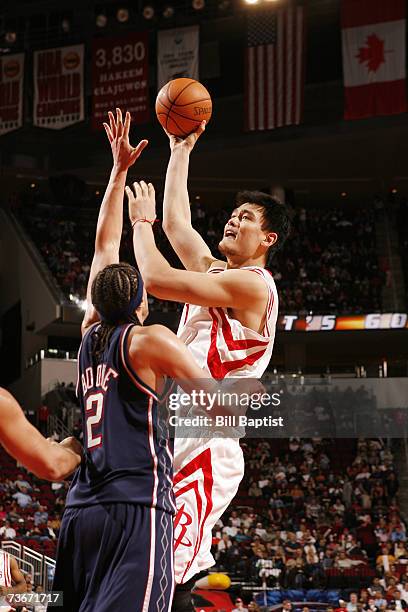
(373, 33)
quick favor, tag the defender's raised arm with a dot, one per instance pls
(110, 220)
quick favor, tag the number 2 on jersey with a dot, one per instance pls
(94, 404)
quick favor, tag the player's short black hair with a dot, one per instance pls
(276, 217)
(112, 291)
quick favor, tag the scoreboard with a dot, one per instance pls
(329, 322)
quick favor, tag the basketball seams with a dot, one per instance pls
(177, 125)
(180, 92)
(195, 102)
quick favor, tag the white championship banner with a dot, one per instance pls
(177, 54)
(58, 87)
(11, 92)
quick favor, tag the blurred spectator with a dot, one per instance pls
(23, 498)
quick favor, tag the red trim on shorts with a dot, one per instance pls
(203, 462)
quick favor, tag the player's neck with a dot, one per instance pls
(238, 262)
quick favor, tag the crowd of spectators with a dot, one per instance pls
(306, 517)
(329, 264)
(30, 510)
(310, 517)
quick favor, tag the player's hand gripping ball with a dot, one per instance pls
(181, 106)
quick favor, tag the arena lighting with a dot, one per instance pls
(122, 15)
(198, 5)
(148, 12)
(168, 12)
(10, 37)
(101, 20)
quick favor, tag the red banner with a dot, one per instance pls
(120, 70)
(58, 87)
(11, 92)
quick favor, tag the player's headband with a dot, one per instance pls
(138, 297)
(134, 303)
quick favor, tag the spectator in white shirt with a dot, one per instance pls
(7, 532)
(23, 498)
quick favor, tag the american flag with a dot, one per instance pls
(274, 67)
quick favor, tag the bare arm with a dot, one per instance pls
(159, 350)
(20, 585)
(185, 240)
(110, 220)
(238, 289)
(24, 442)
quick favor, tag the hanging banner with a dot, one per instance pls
(120, 77)
(374, 57)
(177, 54)
(11, 92)
(58, 87)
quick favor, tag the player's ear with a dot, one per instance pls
(270, 239)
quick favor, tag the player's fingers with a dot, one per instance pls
(119, 122)
(145, 190)
(151, 191)
(108, 132)
(126, 126)
(138, 150)
(129, 193)
(112, 123)
(201, 128)
(138, 190)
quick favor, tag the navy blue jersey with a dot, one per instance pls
(128, 456)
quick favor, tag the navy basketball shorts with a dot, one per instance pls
(115, 557)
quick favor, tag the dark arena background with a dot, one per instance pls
(319, 522)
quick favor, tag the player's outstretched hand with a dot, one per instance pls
(124, 155)
(187, 143)
(142, 202)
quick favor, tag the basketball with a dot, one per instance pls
(181, 105)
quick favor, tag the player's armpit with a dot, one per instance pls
(238, 289)
(157, 348)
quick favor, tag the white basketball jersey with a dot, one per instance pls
(222, 345)
(5, 575)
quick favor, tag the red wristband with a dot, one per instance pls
(144, 220)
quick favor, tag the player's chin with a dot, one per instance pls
(226, 246)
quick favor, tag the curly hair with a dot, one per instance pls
(112, 291)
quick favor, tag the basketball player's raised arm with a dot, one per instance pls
(17, 576)
(238, 289)
(110, 219)
(24, 442)
(190, 247)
